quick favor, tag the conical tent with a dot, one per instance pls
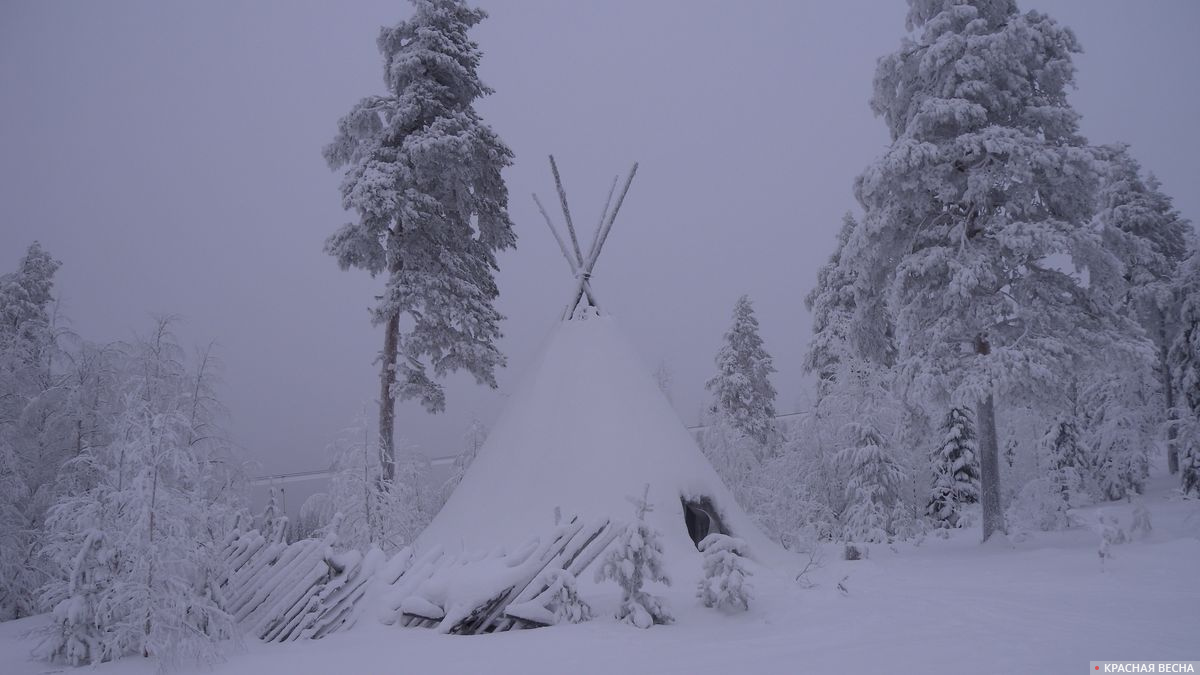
(585, 431)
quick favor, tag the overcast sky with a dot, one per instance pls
(168, 153)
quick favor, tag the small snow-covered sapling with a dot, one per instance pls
(635, 557)
(1111, 535)
(724, 585)
(1141, 521)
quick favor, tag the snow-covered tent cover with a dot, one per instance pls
(585, 430)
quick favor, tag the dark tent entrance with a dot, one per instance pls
(701, 519)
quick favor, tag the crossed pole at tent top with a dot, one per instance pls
(582, 266)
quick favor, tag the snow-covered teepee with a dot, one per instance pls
(585, 430)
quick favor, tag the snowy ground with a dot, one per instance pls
(944, 606)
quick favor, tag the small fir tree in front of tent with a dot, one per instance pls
(955, 467)
(725, 584)
(632, 560)
(742, 389)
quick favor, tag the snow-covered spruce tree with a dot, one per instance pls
(1145, 232)
(17, 580)
(955, 466)
(1063, 458)
(473, 439)
(832, 305)
(986, 187)
(423, 176)
(632, 560)
(1185, 374)
(1120, 427)
(30, 411)
(874, 474)
(272, 522)
(139, 548)
(742, 390)
(725, 584)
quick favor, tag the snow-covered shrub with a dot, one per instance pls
(1141, 521)
(76, 635)
(724, 585)
(565, 602)
(795, 494)
(634, 558)
(852, 551)
(375, 511)
(1111, 534)
(139, 545)
(1043, 503)
(1038, 506)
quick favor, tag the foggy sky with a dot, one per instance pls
(168, 153)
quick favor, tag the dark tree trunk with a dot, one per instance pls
(989, 456)
(989, 469)
(1164, 367)
(387, 401)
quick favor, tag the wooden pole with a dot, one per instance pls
(603, 215)
(562, 246)
(602, 236)
(562, 198)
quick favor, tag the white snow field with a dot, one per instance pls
(1044, 605)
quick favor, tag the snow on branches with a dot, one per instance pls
(632, 560)
(725, 584)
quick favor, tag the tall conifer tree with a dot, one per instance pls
(423, 177)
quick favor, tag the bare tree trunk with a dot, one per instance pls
(387, 401)
(989, 455)
(1164, 368)
(989, 468)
